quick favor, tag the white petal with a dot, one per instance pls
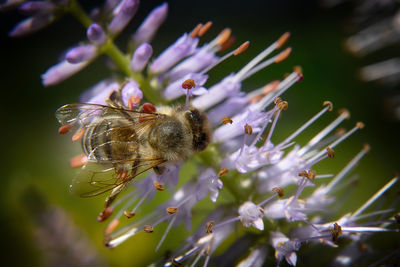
(259, 224)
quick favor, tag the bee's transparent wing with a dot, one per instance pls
(95, 178)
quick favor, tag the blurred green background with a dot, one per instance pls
(36, 176)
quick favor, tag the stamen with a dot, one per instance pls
(140, 201)
(148, 229)
(111, 227)
(278, 190)
(226, 120)
(361, 229)
(209, 227)
(227, 222)
(306, 125)
(374, 197)
(248, 129)
(129, 214)
(199, 255)
(171, 210)
(282, 40)
(78, 161)
(223, 37)
(65, 128)
(279, 105)
(344, 114)
(78, 134)
(336, 231)
(227, 44)
(283, 55)
(331, 153)
(223, 172)
(196, 30)
(158, 186)
(133, 102)
(347, 169)
(257, 95)
(241, 48)
(204, 29)
(188, 84)
(166, 232)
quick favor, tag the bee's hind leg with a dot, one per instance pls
(107, 211)
(159, 170)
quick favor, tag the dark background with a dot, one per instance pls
(36, 174)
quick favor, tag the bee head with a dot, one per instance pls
(200, 127)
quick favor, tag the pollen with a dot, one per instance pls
(196, 30)
(360, 124)
(331, 153)
(158, 186)
(78, 161)
(226, 120)
(222, 172)
(241, 48)
(282, 40)
(223, 36)
(283, 55)
(328, 103)
(283, 105)
(278, 190)
(148, 229)
(248, 129)
(171, 210)
(111, 227)
(209, 227)
(204, 29)
(65, 128)
(129, 214)
(336, 231)
(366, 147)
(345, 113)
(188, 84)
(78, 134)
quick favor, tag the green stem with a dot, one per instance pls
(76, 10)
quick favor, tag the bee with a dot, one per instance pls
(121, 143)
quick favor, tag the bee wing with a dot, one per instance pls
(95, 179)
(84, 113)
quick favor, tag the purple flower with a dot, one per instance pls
(81, 54)
(251, 215)
(61, 71)
(150, 25)
(37, 7)
(175, 89)
(31, 25)
(284, 248)
(208, 183)
(131, 94)
(183, 47)
(123, 13)
(96, 34)
(141, 57)
(99, 92)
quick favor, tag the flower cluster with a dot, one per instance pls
(264, 180)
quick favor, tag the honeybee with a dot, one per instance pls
(121, 143)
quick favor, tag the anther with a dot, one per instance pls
(331, 153)
(328, 103)
(278, 190)
(277, 100)
(111, 227)
(188, 84)
(336, 231)
(241, 48)
(223, 37)
(158, 186)
(105, 214)
(209, 227)
(283, 55)
(340, 131)
(366, 147)
(78, 134)
(148, 108)
(282, 40)
(196, 30)
(129, 214)
(133, 101)
(222, 172)
(345, 113)
(226, 120)
(204, 29)
(148, 229)
(298, 69)
(65, 128)
(227, 44)
(171, 210)
(360, 125)
(283, 105)
(78, 161)
(248, 129)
